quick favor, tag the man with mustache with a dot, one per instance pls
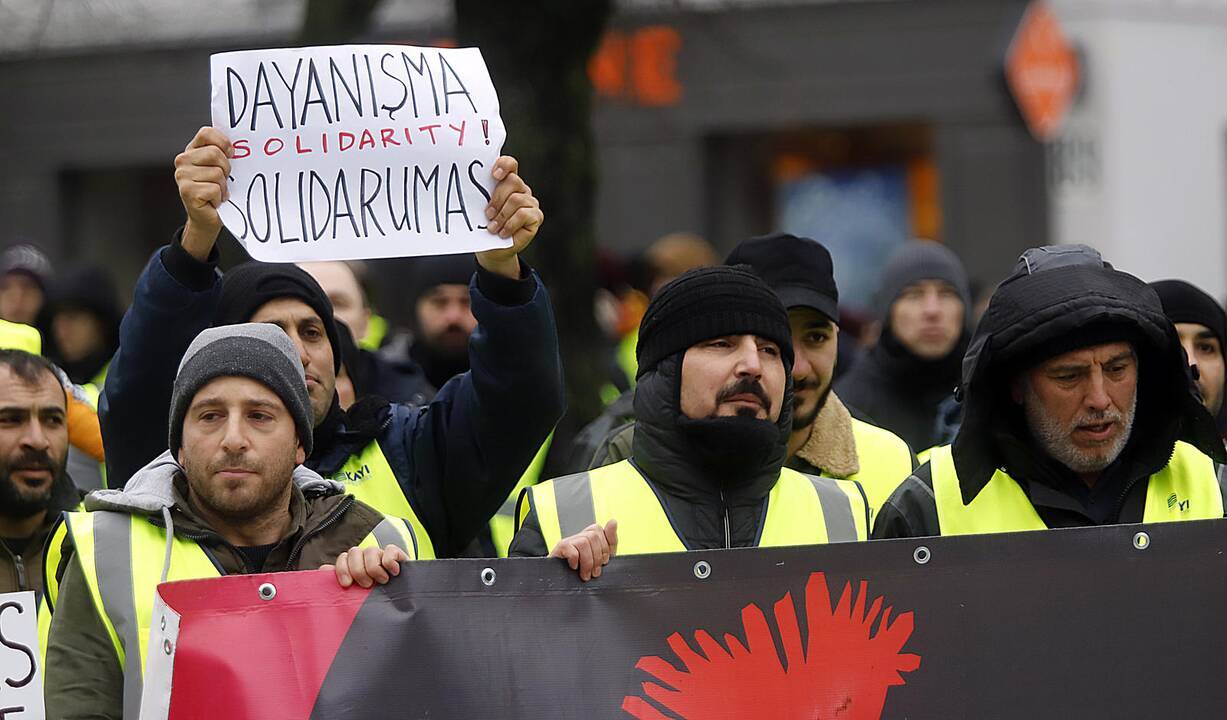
(442, 317)
(233, 495)
(1078, 410)
(447, 467)
(825, 439)
(713, 403)
(34, 487)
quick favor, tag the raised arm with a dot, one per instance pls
(174, 300)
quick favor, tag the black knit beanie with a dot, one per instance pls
(431, 271)
(249, 286)
(260, 351)
(707, 303)
(1186, 303)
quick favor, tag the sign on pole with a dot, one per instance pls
(21, 677)
(358, 151)
(1041, 69)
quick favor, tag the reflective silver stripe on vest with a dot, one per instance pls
(836, 510)
(113, 563)
(386, 535)
(573, 496)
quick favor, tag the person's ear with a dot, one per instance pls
(1018, 388)
(179, 457)
(300, 455)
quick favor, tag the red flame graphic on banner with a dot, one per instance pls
(842, 671)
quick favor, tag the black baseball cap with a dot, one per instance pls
(798, 269)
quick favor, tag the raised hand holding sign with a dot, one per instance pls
(359, 151)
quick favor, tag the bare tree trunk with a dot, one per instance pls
(335, 21)
(537, 52)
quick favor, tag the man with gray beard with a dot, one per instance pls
(1079, 409)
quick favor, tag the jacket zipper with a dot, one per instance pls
(728, 537)
(21, 573)
(213, 537)
(1120, 501)
(328, 522)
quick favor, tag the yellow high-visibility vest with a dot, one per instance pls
(1186, 489)
(368, 477)
(122, 555)
(801, 510)
(503, 524)
(885, 462)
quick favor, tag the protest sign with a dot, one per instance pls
(358, 151)
(21, 691)
(1096, 622)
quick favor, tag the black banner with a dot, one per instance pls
(1104, 622)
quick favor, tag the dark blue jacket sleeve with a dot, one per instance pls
(469, 447)
(167, 312)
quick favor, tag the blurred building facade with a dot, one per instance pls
(861, 122)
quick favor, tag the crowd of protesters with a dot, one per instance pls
(268, 419)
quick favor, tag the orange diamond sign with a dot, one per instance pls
(1042, 71)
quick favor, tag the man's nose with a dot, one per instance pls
(35, 436)
(1097, 397)
(749, 363)
(1188, 351)
(801, 367)
(235, 437)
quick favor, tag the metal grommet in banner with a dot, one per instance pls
(702, 570)
(922, 555)
(163, 622)
(1141, 541)
(267, 591)
(488, 576)
(167, 647)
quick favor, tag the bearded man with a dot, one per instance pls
(1079, 410)
(34, 487)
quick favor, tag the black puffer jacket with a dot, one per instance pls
(708, 510)
(1057, 300)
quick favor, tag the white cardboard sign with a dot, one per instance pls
(358, 151)
(21, 676)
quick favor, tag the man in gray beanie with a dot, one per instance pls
(923, 303)
(713, 403)
(232, 491)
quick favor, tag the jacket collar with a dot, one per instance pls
(831, 446)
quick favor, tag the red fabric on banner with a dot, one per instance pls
(276, 652)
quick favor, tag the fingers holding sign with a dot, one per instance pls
(201, 171)
(589, 550)
(512, 213)
(366, 567)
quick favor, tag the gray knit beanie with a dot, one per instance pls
(260, 351)
(918, 260)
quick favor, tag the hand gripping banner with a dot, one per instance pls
(1103, 622)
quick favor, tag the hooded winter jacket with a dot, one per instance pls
(455, 459)
(1057, 300)
(709, 506)
(83, 674)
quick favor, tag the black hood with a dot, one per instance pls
(1057, 300)
(667, 452)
